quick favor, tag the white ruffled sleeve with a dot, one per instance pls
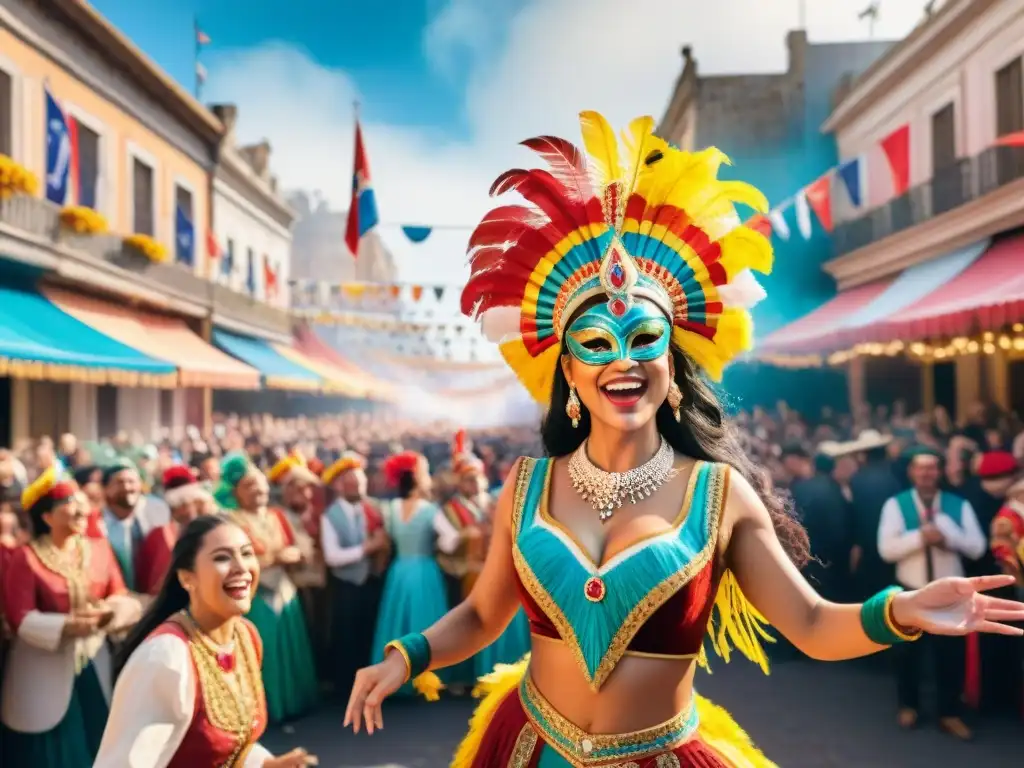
(257, 756)
(152, 707)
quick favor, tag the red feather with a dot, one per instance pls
(544, 191)
(496, 224)
(568, 164)
(459, 443)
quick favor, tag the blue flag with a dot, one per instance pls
(849, 172)
(59, 151)
(184, 238)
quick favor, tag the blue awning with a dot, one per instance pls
(40, 341)
(277, 371)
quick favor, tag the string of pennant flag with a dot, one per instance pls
(851, 175)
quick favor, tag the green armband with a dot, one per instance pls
(877, 620)
(415, 649)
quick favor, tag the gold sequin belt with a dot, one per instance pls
(591, 749)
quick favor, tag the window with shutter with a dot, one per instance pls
(944, 138)
(142, 198)
(1010, 98)
(6, 114)
(88, 166)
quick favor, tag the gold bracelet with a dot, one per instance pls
(890, 623)
(396, 645)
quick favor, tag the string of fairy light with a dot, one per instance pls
(988, 343)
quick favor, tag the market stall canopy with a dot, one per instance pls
(842, 321)
(312, 345)
(199, 364)
(335, 380)
(38, 340)
(988, 295)
(278, 371)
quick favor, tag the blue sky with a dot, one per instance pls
(449, 87)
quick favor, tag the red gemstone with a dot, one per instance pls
(594, 589)
(617, 276)
(617, 307)
(226, 661)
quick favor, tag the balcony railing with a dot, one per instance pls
(951, 187)
(40, 220)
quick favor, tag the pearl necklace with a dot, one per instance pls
(608, 491)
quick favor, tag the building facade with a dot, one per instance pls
(954, 88)
(252, 221)
(146, 157)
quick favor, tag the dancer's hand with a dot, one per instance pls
(372, 686)
(297, 758)
(955, 606)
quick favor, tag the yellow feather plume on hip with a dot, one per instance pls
(492, 689)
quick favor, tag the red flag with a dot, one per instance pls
(897, 151)
(760, 223)
(269, 280)
(1011, 140)
(819, 197)
(362, 213)
(212, 246)
(74, 179)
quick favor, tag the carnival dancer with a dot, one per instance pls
(189, 693)
(296, 484)
(925, 532)
(129, 515)
(621, 286)
(467, 510)
(62, 593)
(187, 500)
(289, 674)
(414, 593)
(356, 549)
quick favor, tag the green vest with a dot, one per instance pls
(950, 505)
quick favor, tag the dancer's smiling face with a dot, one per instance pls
(225, 574)
(620, 365)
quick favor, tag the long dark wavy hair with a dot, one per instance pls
(172, 596)
(702, 433)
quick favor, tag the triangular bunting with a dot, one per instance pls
(777, 216)
(438, 292)
(803, 214)
(819, 197)
(850, 173)
(417, 234)
(897, 151)
(760, 223)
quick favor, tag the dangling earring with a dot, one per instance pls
(572, 406)
(675, 399)
(675, 394)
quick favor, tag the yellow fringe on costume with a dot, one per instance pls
(429, 686)
(717, 728)
(736, 623)
(492, 689)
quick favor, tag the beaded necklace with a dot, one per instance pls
(233, 700)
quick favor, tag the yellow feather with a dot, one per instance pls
(602, 148)
(537, 374)
(745, 248)
(429, 686)
(492, 689)
(637, 140)
(719, 731)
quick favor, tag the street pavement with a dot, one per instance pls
(805, 715)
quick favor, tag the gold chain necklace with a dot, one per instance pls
(230, 708)
(608, 491)
(74, 569)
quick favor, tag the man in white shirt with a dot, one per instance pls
(354, 543)
(925, 532)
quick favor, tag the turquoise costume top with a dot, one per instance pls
(655, 597)
(415, 537)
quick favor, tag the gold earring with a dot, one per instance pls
(572, 406)
(675, 400)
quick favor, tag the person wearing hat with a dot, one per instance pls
(925, 532)
(187, 500)
(873, 484)
(289, 673)
(63, 593)
(355, 548)
(294, 485)
(1001, 659)
(128, 515)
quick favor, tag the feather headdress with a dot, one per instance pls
(643, 219)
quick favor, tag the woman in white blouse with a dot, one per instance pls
(414, 593)
(190, 692)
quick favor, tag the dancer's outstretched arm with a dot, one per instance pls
(466, 629)
(830, 631)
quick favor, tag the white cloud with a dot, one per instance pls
(560, 56)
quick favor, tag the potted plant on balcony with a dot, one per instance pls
(146, 246)
(16, 179)
(79, 220)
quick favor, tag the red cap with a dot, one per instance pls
(997, 464)
(178, 475)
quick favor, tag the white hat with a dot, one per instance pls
(867, 440)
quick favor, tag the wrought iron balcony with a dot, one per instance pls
(34, 225)
(958, 184)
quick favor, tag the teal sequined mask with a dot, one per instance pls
(598, 337)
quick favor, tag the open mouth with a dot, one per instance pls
(239, 589)
(624, 392)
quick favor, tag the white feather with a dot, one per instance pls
(742, 291)
(498, 323)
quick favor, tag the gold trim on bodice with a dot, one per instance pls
(72, 566)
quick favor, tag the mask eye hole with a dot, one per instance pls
(598, 345)
(645, 339)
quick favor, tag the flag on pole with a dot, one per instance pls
(61, 152)
(201, 37)
(200, 73)
(362, 212)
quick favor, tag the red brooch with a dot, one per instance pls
(226, 661)
(594, 590)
